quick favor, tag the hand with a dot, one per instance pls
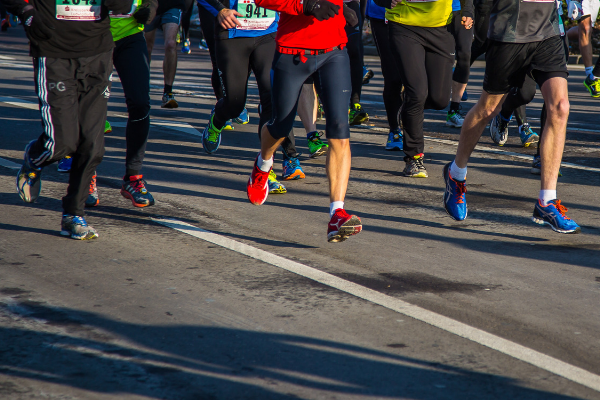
(575, 10)
(142, 15)
(350, 15)
(467, 22)
(394, 2)
(321, 9)
(227, 18)
(36, 29)
(118, 6)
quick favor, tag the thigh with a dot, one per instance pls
(233, 60)
(170, 31)
(506, 65)
(334, 80)
(382, 41)
(130, 59)
(438, 66)
(409, 54)
(93, 93)
(261, 60)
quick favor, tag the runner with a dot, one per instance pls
(356, 114)
(423, 48)
(533, 46)
(71, 47)
(244, 44)
(586, 12)
(392, 84)
(168, 18)
(310, 40)
(460, 77)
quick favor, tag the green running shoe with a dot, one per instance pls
(211, 137)
(593, 86)
(356, 115)
(275, 187)
(107, 127)
(315, 146)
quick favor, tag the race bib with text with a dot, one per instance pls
(78, 10)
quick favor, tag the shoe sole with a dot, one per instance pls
(240, 122)
(419, 175)
(532, 140)
(89, 205)
(350, 228)
(540, 221)
(323, 150)
(453, 125)
(276, 191)
(128, 196)
(88, 236)
(295, 176)
(228, 128)
(170, 104)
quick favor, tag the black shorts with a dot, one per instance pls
(171, 16)
(507, 64)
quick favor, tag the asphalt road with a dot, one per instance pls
(417, 306)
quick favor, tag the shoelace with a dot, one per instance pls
(561, 209)
(138, 184)
(316, 137)
(461, 189)
(93, 185)
(294, 163)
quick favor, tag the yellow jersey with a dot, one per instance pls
(428, 14)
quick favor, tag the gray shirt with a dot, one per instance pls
(519, 21)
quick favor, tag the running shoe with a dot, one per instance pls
(203, 45)
(275, 187)
(76, 227)
(257, 188)
(211, 137)
(64, 165)
(168, 101)
(367, 75)
(395, 140)
(555, 215)
(536, 166)
(342, 226)
(243, 118)
(29, 180)
(455, 202)
(5, 24)
(228, 126)
(593, 86)
(356, 115)
(185, 49)
(135, 190)
(320, 112)
(92, 200)
(178, 38)
(414, 167)
(315, 146)
(528, 136)
(465, 96)
(107, 127)
(499, 130)
(454, 119)
(292, 169)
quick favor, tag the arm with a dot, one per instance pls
(216, 4)
(292, 7)
(383, 3)
(466, 8)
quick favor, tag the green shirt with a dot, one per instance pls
(124, 25)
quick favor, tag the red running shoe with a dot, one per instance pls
(342, 226)
(258, 185)
(92, 200)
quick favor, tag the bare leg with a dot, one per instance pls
(555, 92)
(307, 107)
(150, 37)
(338, 168)
(585, 44)
(170, 61)
(268, 144)
(488, 106)
(457, 91)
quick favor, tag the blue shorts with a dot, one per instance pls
(331, 73)
(172, 16)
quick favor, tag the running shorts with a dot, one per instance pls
(172, 16)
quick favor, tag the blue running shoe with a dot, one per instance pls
(292, 169)
(228, 126)
(454, 196)
(186, 47)
(29, 181)
(465, 96)
(243, 118)
(394, 141)
(555, 215)
(367, 75)
(76, 227)
(211, 137)
(64, 165)
(527, 135)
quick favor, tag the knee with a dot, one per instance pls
(138, 110)
(170, 45)
(437, 103)
(558, 111)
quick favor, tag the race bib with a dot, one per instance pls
(254, 18)
(78, 10)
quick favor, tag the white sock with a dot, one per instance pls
(264, 165)
(334, 206)
(458, 174)
(589, 72)
(546, 196)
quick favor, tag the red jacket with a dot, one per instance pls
(297, 30)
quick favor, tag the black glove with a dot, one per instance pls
(142, 15)
(118, 6)
(36, 29)
(350, 15)
(321, 9)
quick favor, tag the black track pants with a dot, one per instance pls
(355, 53)
(424, 58)
(392, 84)
(73, 96)
(207, 23)
(131, 62)
(481, 43)
(463, 39)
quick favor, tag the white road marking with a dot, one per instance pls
(14, 101)
(177, 126)
(9, 164)
(17, 65)
(479, 336)
(6, 58)
(486, 150)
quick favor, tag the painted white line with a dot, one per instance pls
(177, 126)
(9, 164)
(16, 65)
(485, 150)
(6, 58)
(504, 346)
(14, 101)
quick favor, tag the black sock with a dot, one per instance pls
(454, 106)
(168, 89)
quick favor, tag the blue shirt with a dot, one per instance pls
(375, 11)
(455, 5)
